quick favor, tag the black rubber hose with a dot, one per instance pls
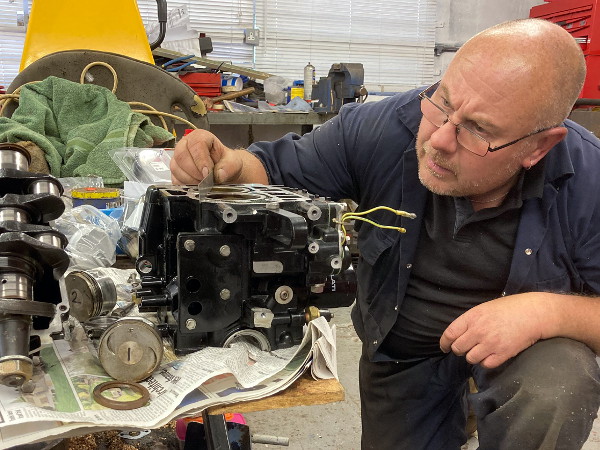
(587, 101)
(162, 22)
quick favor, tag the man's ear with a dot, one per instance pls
(545, 141)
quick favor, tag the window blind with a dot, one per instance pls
(394, 40)
(11, 40)
(223, 21)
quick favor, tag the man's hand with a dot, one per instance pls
(493, 332)
(199, 152)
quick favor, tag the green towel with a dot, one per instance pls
(76, 125)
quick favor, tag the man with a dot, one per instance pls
(498, 276)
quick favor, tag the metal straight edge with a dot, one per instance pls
(213, 64)
(206, 185)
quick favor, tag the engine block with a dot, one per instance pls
(245, 262)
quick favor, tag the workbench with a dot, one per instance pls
(305, 391)
(237, 130)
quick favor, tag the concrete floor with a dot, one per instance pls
(337, 425)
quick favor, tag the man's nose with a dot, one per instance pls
(444, 138)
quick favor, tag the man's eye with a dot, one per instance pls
(479, 129)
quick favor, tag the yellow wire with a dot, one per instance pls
(378, 225)
(357, 216)
(172, 116)
(151, 108)
(100, 63)
(398, 212)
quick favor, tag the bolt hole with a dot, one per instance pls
(192, 285)
(195, 308)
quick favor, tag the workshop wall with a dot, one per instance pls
(458, 21)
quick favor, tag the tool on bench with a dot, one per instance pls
(210, 101)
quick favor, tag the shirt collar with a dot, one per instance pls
(409, 112)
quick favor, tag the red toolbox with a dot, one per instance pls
(580, 18)
(204, 84)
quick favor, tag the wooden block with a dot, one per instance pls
(304, 392)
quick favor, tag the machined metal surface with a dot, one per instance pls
(32, 260)
(90, 294)
(14, 156)
(14, 285)
(51, 238)
(130, 349)
(16, 214)
(27, 307)
(96, 326)
(45, 187)
(250, 336)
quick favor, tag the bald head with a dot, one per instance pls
(541, 61)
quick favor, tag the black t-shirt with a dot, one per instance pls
(462, 260)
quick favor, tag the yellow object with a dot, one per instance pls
(105, 25)
(92, 192)
(355, 215)
(297, 92)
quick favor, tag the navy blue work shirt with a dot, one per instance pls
(367, 153)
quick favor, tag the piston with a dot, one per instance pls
(90, 294)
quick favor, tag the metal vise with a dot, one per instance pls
(248, 262)
(344, 84)
(32, 260)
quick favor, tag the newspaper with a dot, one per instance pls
(62, 403)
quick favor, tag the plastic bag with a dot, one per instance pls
(92, 236)
(275, 90)
(145, 165)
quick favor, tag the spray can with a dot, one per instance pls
(309, 80)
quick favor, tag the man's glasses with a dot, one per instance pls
(467, 138)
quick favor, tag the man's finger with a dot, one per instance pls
(453, 332)
(180, 175)
(477, 354)
(464, 343)
(493, 361)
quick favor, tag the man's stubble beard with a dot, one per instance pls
(471, 188)
(425, 150)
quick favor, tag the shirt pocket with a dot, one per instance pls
(377, 272)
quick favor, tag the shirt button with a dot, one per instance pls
(528, 251)
(375, 342)
(504, 294)
(396, 308)
(408, 266)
